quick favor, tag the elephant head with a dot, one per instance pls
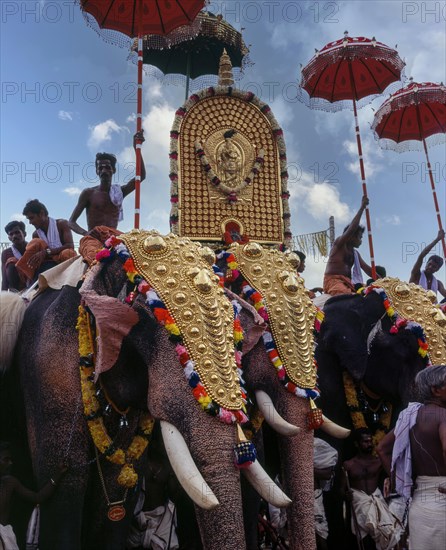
(279, 369)
(356, 337)
(139, 369)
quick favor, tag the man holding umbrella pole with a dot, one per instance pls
(344, 260)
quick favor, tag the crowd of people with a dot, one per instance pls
(413, 455)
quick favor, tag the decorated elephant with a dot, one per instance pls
(132, 344)
(280, 372)
(370, 348)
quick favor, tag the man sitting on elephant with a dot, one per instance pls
(344, 258)
(52, 241)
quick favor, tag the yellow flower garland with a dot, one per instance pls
(357, 416)
(103, 442)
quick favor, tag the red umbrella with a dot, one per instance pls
(413, 116)
(342, 74)
(135, 18)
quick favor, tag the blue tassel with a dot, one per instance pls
(244, 454)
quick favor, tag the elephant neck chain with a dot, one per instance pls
(116, 510)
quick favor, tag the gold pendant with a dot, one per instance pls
(116, 512)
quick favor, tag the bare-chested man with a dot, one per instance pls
(338, 273)
(425, 277)
(371, 517)
(52, 241)
(102, 204)
(416, 451)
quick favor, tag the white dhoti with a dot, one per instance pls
(375, 519)
(155, 529)
(427, 515)
(320, 520)
(7, 538)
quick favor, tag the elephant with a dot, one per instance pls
(283, 410)
(143, 374)
(355, 337)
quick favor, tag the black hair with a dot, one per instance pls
(437, 259)
(10, 226)
(301, 255)
(106, 156)
(359, 433)
(34, 207)
(361, 229)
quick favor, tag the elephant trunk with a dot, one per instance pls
(297, 473)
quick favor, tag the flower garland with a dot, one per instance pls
(215, 180)
(399, 323)
(277, 132)
(256, 299)
(357, 415)
(92, 411)
(115, 246)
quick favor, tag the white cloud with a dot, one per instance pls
(392, 219)
(372, 155)
(103, 132)
(72, 191)
(320, 200)
(65, 115)
(153, 89)
(131, 118)
(158, 216)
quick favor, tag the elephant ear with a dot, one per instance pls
(114, 320)
(252, 323)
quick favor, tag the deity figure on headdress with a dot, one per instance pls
(229, 161)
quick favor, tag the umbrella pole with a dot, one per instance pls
(138, 125)
(434, 194)
(187, 75)
(364, 191)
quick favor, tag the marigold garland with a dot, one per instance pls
(114, 246)
(92, 411)
(357, 416)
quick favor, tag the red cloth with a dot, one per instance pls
(37, 245)
(90, 245)
(338, 284)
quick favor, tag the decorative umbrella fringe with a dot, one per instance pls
(109, 36)
(346, 104)
(410, 145)
(196, 84)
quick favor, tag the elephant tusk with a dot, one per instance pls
(329, 427)
(279, 424)
(265, 486)
(185, 469)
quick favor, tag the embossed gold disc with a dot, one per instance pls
(179, 271)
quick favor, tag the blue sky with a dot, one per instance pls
(67, 94)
